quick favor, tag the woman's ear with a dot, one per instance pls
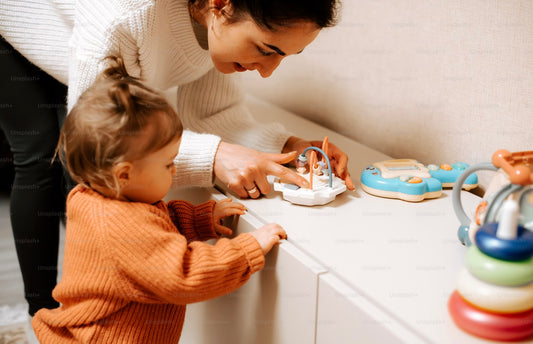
(221, 7)
(219, 4)
(122, 172)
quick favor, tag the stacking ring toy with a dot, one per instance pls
(494, 298)
(496, 271)
(493, 326)
(520, 248)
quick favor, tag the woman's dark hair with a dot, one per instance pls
(274, 13)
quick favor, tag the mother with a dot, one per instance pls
(189, 44)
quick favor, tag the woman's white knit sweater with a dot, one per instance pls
(69, 38)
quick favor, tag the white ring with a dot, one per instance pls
(252, 190)
(492, 297)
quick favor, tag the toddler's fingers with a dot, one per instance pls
(282, 235)
(278, 231)
(228, 203)
(232, 211)
(236, 205)
(223, 230)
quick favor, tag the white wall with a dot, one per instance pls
(438, 81)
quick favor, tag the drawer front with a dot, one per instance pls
(277, 305)
(346, 316)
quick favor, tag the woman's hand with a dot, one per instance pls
(245, 170)
(337, 158)
(225, 208)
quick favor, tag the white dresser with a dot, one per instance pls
(361, 269)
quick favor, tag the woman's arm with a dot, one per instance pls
(214, 104)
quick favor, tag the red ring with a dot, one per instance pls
(493, 326)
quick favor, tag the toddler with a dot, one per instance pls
(132, 262)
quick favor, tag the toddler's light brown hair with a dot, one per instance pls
(105, 126)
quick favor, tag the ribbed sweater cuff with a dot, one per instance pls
(253, 251)
(194, 162)
(204, 220)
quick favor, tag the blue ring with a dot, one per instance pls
(520, 248)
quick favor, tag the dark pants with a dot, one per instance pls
(32, 110)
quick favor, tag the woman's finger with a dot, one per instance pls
(253, 191)
(285, 174)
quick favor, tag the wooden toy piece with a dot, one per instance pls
(518, 165)
(325, 148)
(312, 162)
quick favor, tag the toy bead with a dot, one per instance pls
(301, 164)
(515, 165)
(521, 175)
(494, 298)
(517, 249)
(489, 325)
(496, 271)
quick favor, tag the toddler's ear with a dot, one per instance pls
(122, 171)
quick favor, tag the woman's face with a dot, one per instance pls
(242, 46)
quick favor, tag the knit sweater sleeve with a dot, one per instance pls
(104, 28)
(214, 104)
(194, 222)
(40, 30)
(101, 29)
(158, 265)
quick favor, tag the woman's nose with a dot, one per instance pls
(268, 67)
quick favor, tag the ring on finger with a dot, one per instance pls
(252, 190)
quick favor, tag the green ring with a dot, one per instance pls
(499, 272)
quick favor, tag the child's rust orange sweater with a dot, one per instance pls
(129, 269)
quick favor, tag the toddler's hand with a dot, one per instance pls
(225, 208)
(269, 235)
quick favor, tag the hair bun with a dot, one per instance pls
(116, 69)
(119, 92)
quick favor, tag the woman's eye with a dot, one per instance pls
(265, 53)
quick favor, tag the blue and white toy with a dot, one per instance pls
(406, 179)
(448, 174)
